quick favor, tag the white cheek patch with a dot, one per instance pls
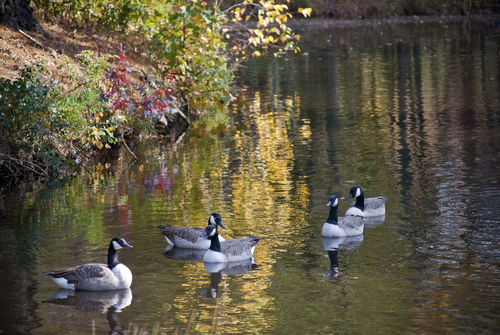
(116, 245)
(212, 220)
(212, 233)
(336, 203)
(358, 192)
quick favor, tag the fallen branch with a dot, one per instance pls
(182, 135)
(36, 42)
(126, 146)
(180, 112)
(27, 165)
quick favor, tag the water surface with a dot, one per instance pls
(410, 112)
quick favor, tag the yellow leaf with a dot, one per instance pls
(256, 54)
(305, 11)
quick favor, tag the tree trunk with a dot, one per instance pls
(18, 14)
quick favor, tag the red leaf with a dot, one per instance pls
(158, 104)
(118, 104)
(123, 79)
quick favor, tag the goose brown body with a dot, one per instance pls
(189, 238)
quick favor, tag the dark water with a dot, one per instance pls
(410, 112)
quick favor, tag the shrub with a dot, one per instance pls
(46, 131)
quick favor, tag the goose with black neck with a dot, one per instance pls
(341, 226)
(96, 276)
(229, 250)
(368, 207)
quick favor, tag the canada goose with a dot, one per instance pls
(229, 250)
(94, 276)
(189, 238)
(365, 207)
(341, 226)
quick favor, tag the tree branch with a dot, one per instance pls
(36, 42)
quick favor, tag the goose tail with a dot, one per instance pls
(384, 199)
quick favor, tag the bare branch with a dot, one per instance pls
(36, 42)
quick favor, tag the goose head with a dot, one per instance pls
(210, 231)
(119, 242)
(355, 192)
(332, 201)
(215, 219)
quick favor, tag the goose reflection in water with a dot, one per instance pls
(109, 302)
(332, 246)
(216, 270)
(181, 254)
(374, 221)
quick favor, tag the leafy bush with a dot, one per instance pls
(46, 131)
(191, 39)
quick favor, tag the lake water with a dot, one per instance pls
(407, 111)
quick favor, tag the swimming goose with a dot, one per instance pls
(341, 226)
(94, 276)
(365, 207)
(189, 238)
(229, 250)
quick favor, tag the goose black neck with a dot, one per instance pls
(332, 218)
(215, 243)
(360, 202)
(112, 256)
